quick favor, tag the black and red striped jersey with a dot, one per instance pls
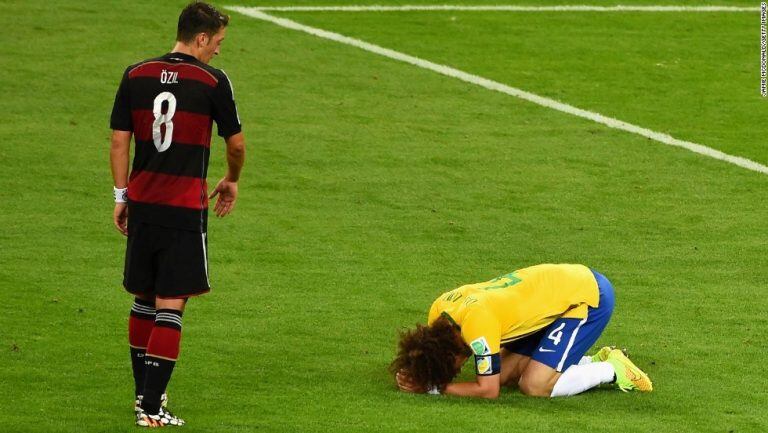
(170, 104)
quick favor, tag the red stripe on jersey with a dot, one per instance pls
(166, 189)
(186, 72)
(188, 128)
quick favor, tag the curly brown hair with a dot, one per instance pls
(428, 354)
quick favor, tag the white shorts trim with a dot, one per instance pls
(205, 258)
(570, 344)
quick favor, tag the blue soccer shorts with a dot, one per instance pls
(565, 341)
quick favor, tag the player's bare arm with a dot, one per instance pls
(119, 156)
(226, 189)
(483, 387)
(536, 380)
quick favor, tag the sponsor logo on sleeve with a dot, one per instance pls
(483, 364)
(480, 346)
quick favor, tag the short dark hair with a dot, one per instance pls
(427, 354)
(199, 17)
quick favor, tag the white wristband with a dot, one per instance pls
(121, 194)
(434, 390)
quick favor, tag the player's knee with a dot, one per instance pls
(533, 387)
(170, 304)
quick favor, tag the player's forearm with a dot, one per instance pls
(235, 156)
(471, 389)
(119, 157)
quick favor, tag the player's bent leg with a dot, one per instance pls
(515, 357)
(579, 378)
(538, 379)
(558, 366)
(512, 367)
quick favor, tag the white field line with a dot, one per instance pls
(503, 88)
(508, 8)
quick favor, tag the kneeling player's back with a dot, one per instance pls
(522, 300)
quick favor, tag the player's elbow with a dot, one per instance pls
(236, 150)
(120, 142)
(489, 392)
(236, 144)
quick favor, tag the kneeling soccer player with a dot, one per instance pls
(529, 328)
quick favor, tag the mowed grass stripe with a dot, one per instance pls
(670, 73)
(503, 88)
(508, 8)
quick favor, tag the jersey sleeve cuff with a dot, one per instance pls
(229, 133)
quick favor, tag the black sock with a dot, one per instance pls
(158, 374)
(137, 363)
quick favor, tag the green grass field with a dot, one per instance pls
(371, 186)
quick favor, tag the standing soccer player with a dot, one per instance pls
(169, 104)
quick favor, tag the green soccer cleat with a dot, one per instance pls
(602, 354)
(628, 376)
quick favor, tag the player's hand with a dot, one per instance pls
(406, 384)
(120, 218)
(227, 192)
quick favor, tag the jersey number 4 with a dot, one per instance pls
(557, 334)
(162, 143)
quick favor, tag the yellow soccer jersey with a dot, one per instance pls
(517, 304)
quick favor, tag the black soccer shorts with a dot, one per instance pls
(165, 262)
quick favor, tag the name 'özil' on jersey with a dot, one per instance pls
(170, 104)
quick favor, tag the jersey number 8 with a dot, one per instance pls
(163, 143)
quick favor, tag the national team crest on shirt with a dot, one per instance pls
(480, 346)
